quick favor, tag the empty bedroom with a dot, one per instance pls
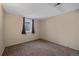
(39, 29)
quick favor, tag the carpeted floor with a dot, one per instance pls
(39, 48)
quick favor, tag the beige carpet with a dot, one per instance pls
(39, 48)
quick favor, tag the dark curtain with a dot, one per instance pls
(23, 28)
(33, 30)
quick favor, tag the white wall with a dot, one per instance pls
(1, 30)
(63, 29)
(13, 29)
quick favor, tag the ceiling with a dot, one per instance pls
(39, 10)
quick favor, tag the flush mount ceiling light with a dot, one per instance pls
(54, 4)
(59, 6)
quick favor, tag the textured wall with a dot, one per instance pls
(13, 29)
(63, 29)
(1, 30)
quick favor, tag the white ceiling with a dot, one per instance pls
(39, 10)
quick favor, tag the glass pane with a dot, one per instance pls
(27, 26)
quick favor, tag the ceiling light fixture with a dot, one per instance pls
(54, 4)
(59, 6)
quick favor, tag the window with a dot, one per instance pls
(28, 25)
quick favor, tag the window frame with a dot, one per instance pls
(28, 20)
